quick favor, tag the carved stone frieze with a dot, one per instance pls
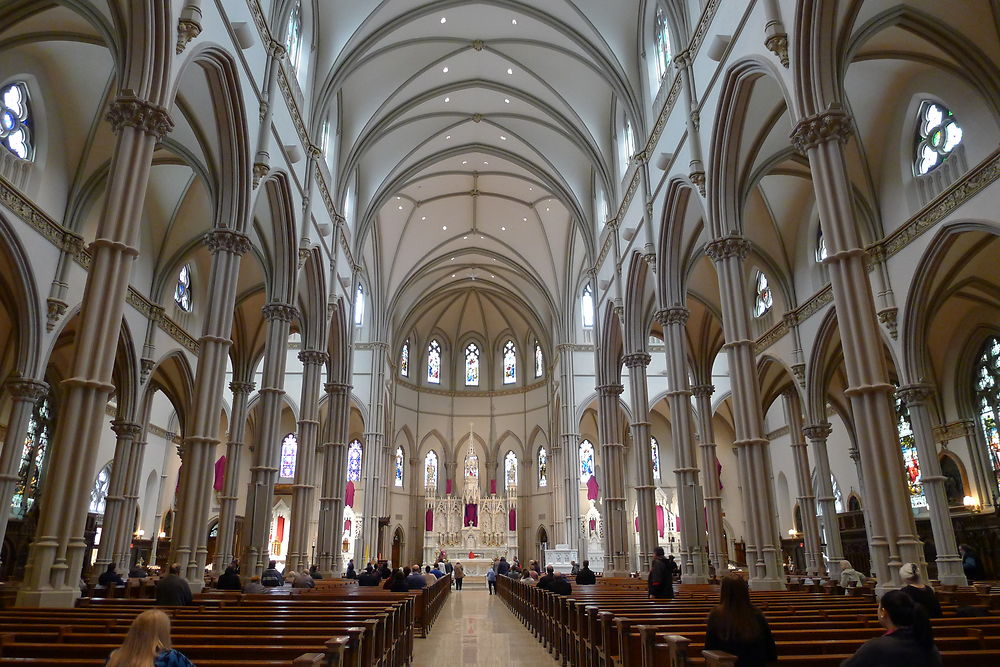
(227, 240)
(130, 111)
(834, 124)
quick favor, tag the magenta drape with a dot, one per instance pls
(347, 525)
(220, 473)
(349, 495)
(593, 525)
(429, 520)
(593, 488)
(512, 519)
(493, 487)
(471, 515)
(447, 487)
(637, 524)
(660, 520)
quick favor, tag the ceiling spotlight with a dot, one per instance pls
(530, 189)
(447, 99)
(444, 19)
(453, 259)
(465, 237)
(485, 162)
(398, 197)
(423, 217)
(245, 35)
(717, 47)
(444, 227)
(453, 275)
(506, 100)
(510, 70)
(465, 162)
(492, 276)
(445, 69)
(513, 21)
(447, 136)
(524, 219)
(400, 207)
(503, 229)
(503, 138)
(546, 208)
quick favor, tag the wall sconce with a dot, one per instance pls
(163, 533)
(244, 35)
(972, 504)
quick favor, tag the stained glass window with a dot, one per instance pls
(587, 307)
(33, 455)
(821, 251)
(763, 298)
(434, 362)
(324, 138)
(472, 465)
(543, 467)
(354, 461)
(911, 462)
(182, 292)
(15, 120)
(471, 365)
(838, 495)
(988, 399)
(289, 454)
(654, 450)
(510, 470)
(431, 470)
(99, 492)
(359, 306)
(662, 55)
(509, 363)
(404, 359)
(586, 461)
(627, 146)
(398, 476)
(293, 36)
(938, 134)
(539, 361)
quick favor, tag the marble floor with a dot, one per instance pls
(475, 628)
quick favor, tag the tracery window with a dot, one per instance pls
(662, 55)
(539, 361)
(763, 297)
(397, 479)
(821, 251)
(324, 138)
(293, 36)
(434, 362)
(289, 455)
(16, 120)
(471, 365)
(182, 291)
(359, 306)
(987, 385)
(354, 461)
(509, 363)
(627, 149)
(587, 307)
(938, 135)
(586, 461)
(543, 467)
(654, 451)
(99, 492)
(911, 462)
(404, 359)
(472, 465)
(33, 458)
(431, 470)
(510, 470)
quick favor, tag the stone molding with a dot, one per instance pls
(336, 388)
(228, 240)
(472, 394)
(187, 29)
(834, 124)
(279, 311)
(726, 247)
(130, 111)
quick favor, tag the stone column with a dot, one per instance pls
(264, 472)
(55, 559)
(304, 489)
(569, 456)
(331, 502)
(616, 513)
(117, 531)
(710, 473)
(817, 435)
(157, 519)
(917, 398)
(262, 159)
(806, 497)
(189, 548)
(894, 537)
(24, 394)
(644, 489)
(225, 547)
(763, 545)
(690, 496)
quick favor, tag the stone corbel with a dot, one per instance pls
(698, 179)
(799, 371)
(188, 28)
(778, 45)
(887, 317)
(260, 170)
(56, 308)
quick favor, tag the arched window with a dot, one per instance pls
(509, 363)
(654, 451)
(359, 306)
(293, 36)
(99, 492)
(662, 55)
(763, 298)
(821, 252)
(289, 454)
(33, 458)
(404, 359)
(182, 291)
(911, 462)
(434, 362)
(471, 365)
(587, 307)
(627, 146)
(16, 120)
(987, 379)
(510, 470)
(324, 138)
(543, 467)
(853, 504)
(539, 361)
(938, 134)
(431, 471)
(397, 479)
(354, 461)
(472, 465)
(838, 495)
(586, 461)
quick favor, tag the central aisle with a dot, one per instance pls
(476, 628)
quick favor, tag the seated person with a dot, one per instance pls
(738, 627)
(909, 640)
(271, 577)
(586, 577)
(429, 577)
(849, 577)
(546, 580)
(397, 582)
(303, 580)
(526, 578)
(416, 580)
(560, 585)
(173, 590)
(919, 592)
(148, 643)
(436, 571)
(137, 572)
(110, 578)
(368, 577)
(229, 580)
(254, 587)
(314, 572)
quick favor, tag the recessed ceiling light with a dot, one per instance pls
(447, 99)
(453, 275)
(465, 237)
(510, 70)
(424, 217)
(465, 162)
(492, 276)
(453, 259)
(494, 259)
(485, 162)
(445, 69)
(506, 100)
(524, 219)
(447, 136)
(444, 227)
(483, 238)
(400, 207)
(513, 21)
(503, 138)
(546, 208)
(398, 197)
(444, 19)
(503, 229)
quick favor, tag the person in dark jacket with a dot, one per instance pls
(737, 627)
(351, 573)
(545, 581)
(970, 562)
(271, 577)
(397, 583)
(560, 585)
(110, 578)
(503, 567)
(919, 592)
(229, 581)
(416, 580)
(586, 576)
(314, 572)
(661, 580)
(908, 641)
(368, 577)
(173, 590)
(384, 572)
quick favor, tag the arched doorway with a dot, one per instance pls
(397, 547)
(541, 543)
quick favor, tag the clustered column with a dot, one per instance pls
(806, 497)
(817, 435)
(613, 457)
(133, 436)
(644, 489)
(24, 394)
(225, 547)
(569, 456)
(331, 502)
(304, 490)
(710, 474)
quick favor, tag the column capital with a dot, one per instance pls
(228, 240)
(130, 111)
(610, 389)
(336, 388)
(673, 315)
(819, 431)
(22, 389)
(834, 124)
(276, 50)
(703, 390)
(279, 311)
(726, 247)
(314, 357)
(915, 394)
(124, 429)
(242, 387)
(682, 59)
(637, 360)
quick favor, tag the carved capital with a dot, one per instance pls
(637, 360)
(145, 368)
(477, 118)
(336, 388)
(187, 29)
(130, 111)
(834, 124)
(260, 170)
(778, 45)
(303, 256)
(276, 50)
(314, 357)
(698, 179)
(478, 45)
(799, 371)
(124, 429)
(227, 240)
(610, 390)
(682, 59)
(671, 316)
(915, 394)
(23, 389)
(242, 387)
(726, 247)
(279, 311)
(703, 390)
(55, 309)
(314, 151)
(888, 319)
(817, 431)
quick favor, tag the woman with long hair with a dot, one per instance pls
(908, 639)
(147, 644)
(737, 627)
